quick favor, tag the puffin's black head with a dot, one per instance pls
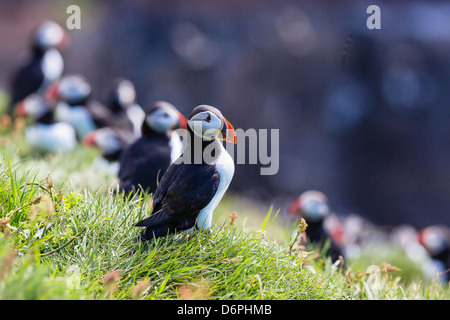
(162, 117)
(208, 123)
(311, 205)
(73, 89)
(49, 35)
(122, 95)
(106, 139)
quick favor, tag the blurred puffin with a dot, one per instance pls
(436, 241)
(45, 135)
(190, 190)
(110, 141)
(71, 95)
(145, 161)
(121, 101)
(313, 206)
(44, 66)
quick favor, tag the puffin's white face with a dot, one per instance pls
(315, 210)
(126, 93)
(49, 35)
(33, 106)
(312, 205)
(107, 140)
(162, 119)
(433, 239)
(73, 88)
(206, 125)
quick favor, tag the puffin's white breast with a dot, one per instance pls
(225, 168)
(77, 116)
(52, 67)
(136, 116)
(58, 137)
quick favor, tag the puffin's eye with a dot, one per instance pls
(208, 118)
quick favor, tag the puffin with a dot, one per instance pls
(191, 188)
(111, 142)
(436, 241)
(121, 101)
(312, 205)
(44, 66)
(144, 162)
(71, 96)
(45, 134)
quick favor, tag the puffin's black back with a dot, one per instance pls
(318, 235)
(26, 81)
(143, 163)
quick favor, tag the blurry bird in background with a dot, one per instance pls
(405, 237)
(144, 162)
(436, 240)
(323, 226)
(126, 119)
(72, 98)
(45, 134)
(111, 142)
(121, 101)
(43, 67)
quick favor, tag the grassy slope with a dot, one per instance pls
(64, 236)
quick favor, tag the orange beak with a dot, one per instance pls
(20, 109)
(52, 91)
(89, 140)
(228, 132)
(182, 121)
(421, 237)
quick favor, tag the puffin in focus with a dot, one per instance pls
(43, 67)
(45, 134)
(313, 206)
(436, 241)
(193, 186)
(144, 162)
(121, 101)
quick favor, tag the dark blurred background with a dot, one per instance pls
(364, 115)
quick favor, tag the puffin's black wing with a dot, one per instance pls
(184, 191)
(26, 81)
(101, 115)
(143, 163)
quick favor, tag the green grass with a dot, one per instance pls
(63, 235)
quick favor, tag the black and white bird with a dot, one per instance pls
(436, 241)
(71, 95)
(144, 162)
(190, 190)
(323, 226)
(45, 134)
(111, 142)
(121, 100)
(43, 67)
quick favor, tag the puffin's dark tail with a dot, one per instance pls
(150, 233)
